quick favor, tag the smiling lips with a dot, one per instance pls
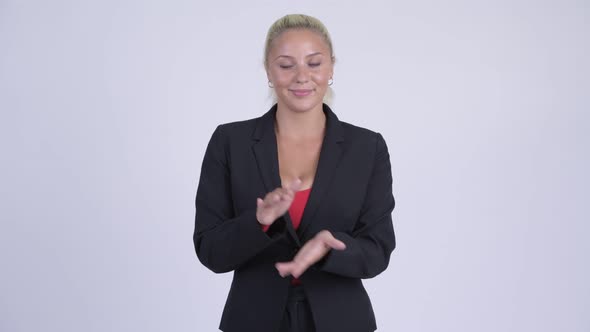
(302, 92)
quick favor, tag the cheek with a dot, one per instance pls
(282, 77)
(322, 77)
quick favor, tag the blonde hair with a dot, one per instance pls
(296, 21)
(299, 21)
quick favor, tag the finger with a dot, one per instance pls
(279, 192)
(276, 197)
(298, 267)
(269, 198)
(286, 195)
(291, 268)
(283, 191)
(334, 243)
(330, 241)
(284, 268)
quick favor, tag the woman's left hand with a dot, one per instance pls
(311, 252)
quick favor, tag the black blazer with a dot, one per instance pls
(351, 197)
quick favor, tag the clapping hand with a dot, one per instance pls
(311, 252)
(276, 203)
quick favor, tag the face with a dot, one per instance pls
(299, 67)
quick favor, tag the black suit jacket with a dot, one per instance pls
(351, 197)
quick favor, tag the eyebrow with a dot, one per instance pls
(288, 56)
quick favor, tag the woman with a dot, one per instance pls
(297, 203)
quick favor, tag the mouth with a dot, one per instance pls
(301, 92)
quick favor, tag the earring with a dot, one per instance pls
(270, 85)
(330, 81)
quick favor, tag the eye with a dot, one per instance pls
(285, 66)
(315, 64)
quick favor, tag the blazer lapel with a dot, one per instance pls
(330, 154)
(266, 154)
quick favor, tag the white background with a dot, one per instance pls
(107, 107)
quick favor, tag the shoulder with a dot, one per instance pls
(352, 134)
(360, 135)
(242, 126)
(236, 130)
(352, 130)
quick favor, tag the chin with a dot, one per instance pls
(300, 105)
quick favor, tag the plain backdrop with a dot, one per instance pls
(107, 107)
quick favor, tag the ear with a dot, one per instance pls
(332, 67)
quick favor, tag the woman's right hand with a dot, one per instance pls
(276, 203)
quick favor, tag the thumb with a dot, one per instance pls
(334, 243)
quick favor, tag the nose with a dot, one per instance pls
(302, 74)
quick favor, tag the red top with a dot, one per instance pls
(298, 205)
(296, 212)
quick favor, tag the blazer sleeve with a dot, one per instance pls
(369, 246)
(224, 241)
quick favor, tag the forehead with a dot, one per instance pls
(295, 41)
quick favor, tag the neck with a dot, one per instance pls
(300, 125)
